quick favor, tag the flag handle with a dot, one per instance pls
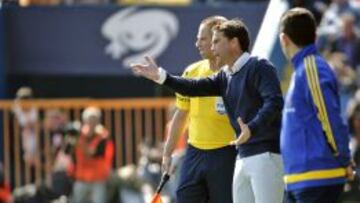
(165, 177)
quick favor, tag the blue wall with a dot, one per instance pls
(69, 41)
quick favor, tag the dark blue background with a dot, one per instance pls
(67, 40)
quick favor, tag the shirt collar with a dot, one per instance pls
(239, 63)
(300, 55)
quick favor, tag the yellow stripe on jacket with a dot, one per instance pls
(315, 89)
(315, 175)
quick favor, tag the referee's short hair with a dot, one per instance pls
(235, 28)
(212, 21)
(299, 25)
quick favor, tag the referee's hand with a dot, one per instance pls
(149, 69)
(245, 134)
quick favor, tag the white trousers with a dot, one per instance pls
(258, 179)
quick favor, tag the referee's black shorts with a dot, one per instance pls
(206, 175)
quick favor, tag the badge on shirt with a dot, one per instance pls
(219, 106)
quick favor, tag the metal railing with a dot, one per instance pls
(129, 122)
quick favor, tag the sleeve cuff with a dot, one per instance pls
(344, 160)
(162, 76)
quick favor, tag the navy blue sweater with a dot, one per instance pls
(253, 93)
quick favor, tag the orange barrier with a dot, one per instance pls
(129, 121)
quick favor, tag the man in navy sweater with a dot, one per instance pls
(253, 100)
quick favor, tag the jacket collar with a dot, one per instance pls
(239, 63)
(300, 55)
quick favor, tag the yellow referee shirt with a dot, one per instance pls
(209, 126)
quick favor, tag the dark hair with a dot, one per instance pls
(235, 28)
(300, 25)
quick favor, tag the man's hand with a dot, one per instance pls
(350, 174)
(149, 70)
(245, 134)
(166, 164)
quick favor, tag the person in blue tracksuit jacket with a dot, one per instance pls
(314, 139)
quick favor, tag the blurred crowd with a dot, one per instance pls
(83, 158)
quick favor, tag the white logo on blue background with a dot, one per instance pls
(134, 33)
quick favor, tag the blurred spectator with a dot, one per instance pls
(94, 153)
(348, 42)
(137, 183)
(61, 181)
(317, 7)
(5, 193)
(331, 23)
(125, 185)
(346, 78)
(149, 168)
(27, 118)
(35, 194)
(130, 185)
(352, 193)
(54, 123)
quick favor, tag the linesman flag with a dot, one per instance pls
(156, 198)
